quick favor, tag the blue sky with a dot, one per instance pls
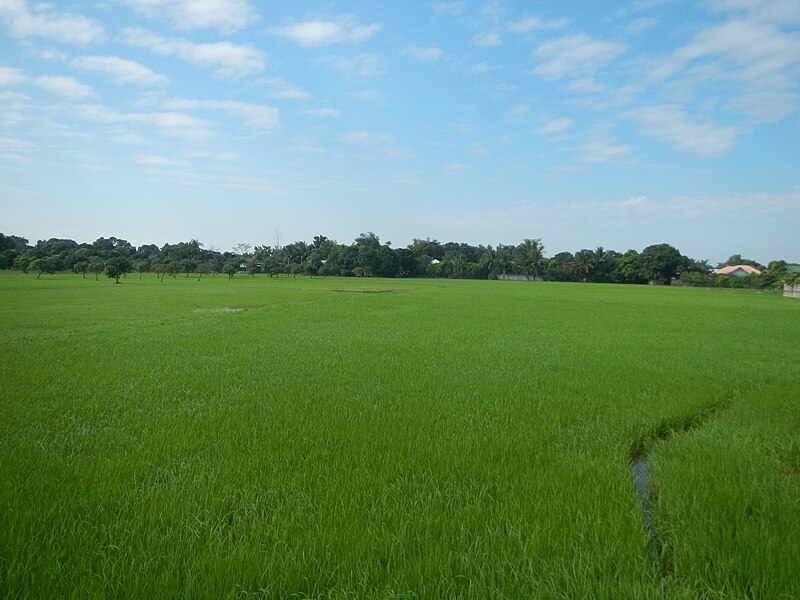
(584, 123)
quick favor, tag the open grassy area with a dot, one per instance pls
(341, 438)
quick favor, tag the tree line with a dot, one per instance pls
(366, 256)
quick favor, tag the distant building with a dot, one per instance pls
(737, 271)
(793, 268)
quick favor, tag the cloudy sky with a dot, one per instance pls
(584, 122)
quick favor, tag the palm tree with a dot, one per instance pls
(583, 263)
(531, 254)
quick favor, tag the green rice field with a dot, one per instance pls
(336, 438)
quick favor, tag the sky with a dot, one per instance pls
(582, 123)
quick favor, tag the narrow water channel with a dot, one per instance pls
(642, 471)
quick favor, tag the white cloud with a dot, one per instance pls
(762, 60)
(66, 87)
(323, 113)
(317, 33)
(230, 61)
(376, 143)
(120, 70)
(600, 150)
(225, 15)
(574, 55)
(641, 25)
(493, 9)
(670, 124)
(528, 24)
(371, 95)
(642, 209)
(482, 68)
(362, 65)
(586, 85)
(284, 90)
(448, 8)
(456, 168)
(361, 138)
(259, 116)
(426, 53)
(487, 39)
(555, 126)
(520, 109)
(9, 76)
(777, 11)
(153, 160)
(169, 123)
(128, 139)
(16, 145)
(304, 145)
(44, 22)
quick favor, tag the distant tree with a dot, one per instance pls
(173, 268)
(48, 265)
(117, 266)
(108, 247)
(737, 259)
(242, 249)
(505, 259)
(695, 278)
(582, 264)
(96, 265)
(7, 258)
(529, 256)
(82, 266)
(143, 266)
(188, 266)
(628, 268)
(204, 268)
(11, 246)
(160, 269)
(660, 263)
(231, 267)
(427, 247)
(23, 262)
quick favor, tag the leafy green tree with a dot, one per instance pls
(11, 247)
(231, 267)
(695, 278)
(188, 266)
(660, 263)
(143, 266)
(505, 259)
(204, 268)
(108, 247)
(96, 265)
(253, 269)
(47, 265)
(529, 256)
(116, 267)
(628, 268)
(23, 262)
(82, 266)
(737, 259)
(161, 270)
(582, 264)
(427, 247)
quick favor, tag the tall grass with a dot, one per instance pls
(300, 438)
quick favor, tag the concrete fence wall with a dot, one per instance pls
(791, 290)
(509, 277)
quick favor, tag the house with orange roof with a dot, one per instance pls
(737, 271)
